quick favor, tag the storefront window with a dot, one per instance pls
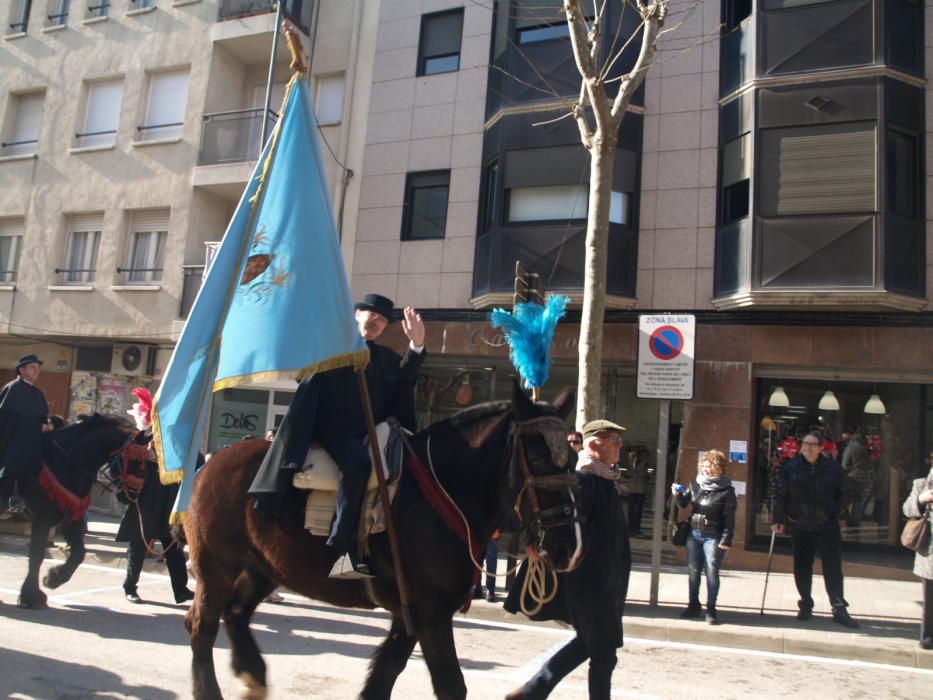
(236, 414)
(876, 433)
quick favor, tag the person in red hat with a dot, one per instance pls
(24, 416)
(146, 516)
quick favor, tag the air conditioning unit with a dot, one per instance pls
(133, 359)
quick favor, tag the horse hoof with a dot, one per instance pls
(38, 602)
(252, 690)
(52, 579)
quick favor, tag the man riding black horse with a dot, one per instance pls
(24, 416)
(327, 409)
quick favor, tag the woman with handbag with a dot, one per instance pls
(711, 527)
(917, 506)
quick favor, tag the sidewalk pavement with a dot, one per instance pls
(888, 611)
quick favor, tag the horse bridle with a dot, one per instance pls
(552, 430)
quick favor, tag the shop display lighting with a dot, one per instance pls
(875, 405)
(778, 398)
(829, 402)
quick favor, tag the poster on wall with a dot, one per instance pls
(83, 395)
(111, 396)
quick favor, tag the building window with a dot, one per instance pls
(11, 236)
(81, 254)
(734, 11)
(98, 8)
(142, 4)
(439, 47)
(24, 131)
(103, 114)
(491, 195)
(620, 208)
(547, 203)
(903, 166)
(19, 19)
(824, 169)
(148, 231)
(328, 102)
(734, 202)
(545, 32)
(425, 214)
(58, 13)
(165, 111)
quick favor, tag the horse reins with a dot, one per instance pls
(535, 585)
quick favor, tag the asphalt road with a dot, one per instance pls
(91, 643)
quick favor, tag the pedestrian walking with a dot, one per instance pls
(147, 513)
(810, 495)
(918, 505)
(712, 525)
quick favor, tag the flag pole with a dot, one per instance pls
(266, 103)
(386, 506)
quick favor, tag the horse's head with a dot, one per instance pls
(544, 475)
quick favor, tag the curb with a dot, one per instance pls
(893, 651)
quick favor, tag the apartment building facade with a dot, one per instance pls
(770, 179)
(129, 130)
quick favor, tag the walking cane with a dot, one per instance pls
(767, 573)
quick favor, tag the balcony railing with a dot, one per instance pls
(233, 137)
(298, 11)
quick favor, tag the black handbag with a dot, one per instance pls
(681, 532)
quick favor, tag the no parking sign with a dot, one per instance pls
(665, 356)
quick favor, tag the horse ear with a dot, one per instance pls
(564, 402)
(522, 406)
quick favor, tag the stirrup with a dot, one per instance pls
(346, 568)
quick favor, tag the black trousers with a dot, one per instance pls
(828, 542)
(355, 467)
(926, 621)
(636, 507)
(174, 560)
(567, 658)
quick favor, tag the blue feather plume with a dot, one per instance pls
(529, 330)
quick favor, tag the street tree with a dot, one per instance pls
(599, 115)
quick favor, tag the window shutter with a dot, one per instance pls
(26, 122)
(818, 170)
(11, 227)
(442, 33)
(87, 222)
(149, 220)
(168, 93)
(103, 112)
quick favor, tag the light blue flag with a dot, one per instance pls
(275, 303)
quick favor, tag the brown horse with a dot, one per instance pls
(491, 459)
(72, 456)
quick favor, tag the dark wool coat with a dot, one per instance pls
(591, 598)
(155, 503)
(327, 405)
(23, 410)
(808, 496)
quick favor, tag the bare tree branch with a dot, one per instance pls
(583, 55)
(653, 21)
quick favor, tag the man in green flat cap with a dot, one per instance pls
(602, 448)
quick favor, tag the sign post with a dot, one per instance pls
(666, 344)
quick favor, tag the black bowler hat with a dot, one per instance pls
(27, 360)
(380, 304)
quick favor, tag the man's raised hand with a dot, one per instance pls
(413, 326)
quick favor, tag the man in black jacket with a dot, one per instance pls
(24, 416)
(327, 410)
(810, 495)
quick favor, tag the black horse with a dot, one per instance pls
(71, 457)
(491, 459)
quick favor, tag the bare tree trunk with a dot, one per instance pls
(589, 377)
